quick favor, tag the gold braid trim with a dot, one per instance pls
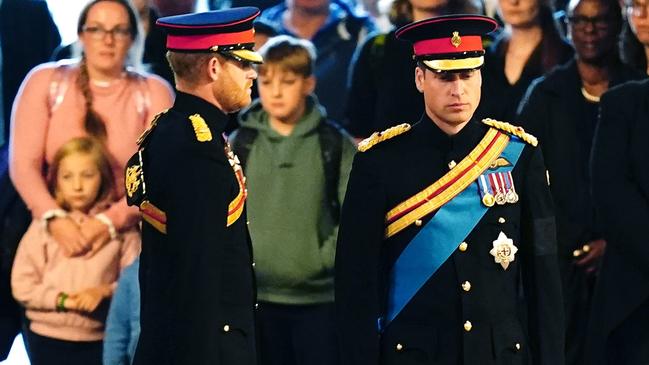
(512, 129)
(148, 130)
(378, 137)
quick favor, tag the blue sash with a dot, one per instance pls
(438, 239)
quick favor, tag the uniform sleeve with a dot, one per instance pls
(29, 125)
(619, 202)
(28, 270)
(357, 265)
(361, 101)
(196, 223)
(541, 281)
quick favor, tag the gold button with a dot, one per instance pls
(256, 305)
(452, 164)
(418, 222)
(226, 328)
(463, 246)
(501, 220)
(399, 347)
(576, 253)
(517, 346)
(586, 248)
(466, 286)
(248, 222)
(254, 264)
(467, 326)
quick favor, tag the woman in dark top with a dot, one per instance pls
(561, 110)
(529, 46)
(382, 85)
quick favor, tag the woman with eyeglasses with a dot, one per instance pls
(634, 46)
(561, 110)
(98, 96)
(529, 46)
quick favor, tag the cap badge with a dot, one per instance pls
(203, 133)
(503, 250)
(214, 48)
(456, 40)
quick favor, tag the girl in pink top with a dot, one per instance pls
(66, 298)
(96, 97)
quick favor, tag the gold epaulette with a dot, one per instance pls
(202, 131)
(512, 129)
(378, 137)
(148, 130)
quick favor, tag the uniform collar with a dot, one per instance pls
(192, 104)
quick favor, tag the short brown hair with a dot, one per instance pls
(288, 53)
(189, 66)
(89, 146)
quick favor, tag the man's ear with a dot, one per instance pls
(214, 68)
(420, 76)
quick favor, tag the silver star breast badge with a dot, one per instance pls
(503, 250)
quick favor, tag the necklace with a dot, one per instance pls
(588, 96)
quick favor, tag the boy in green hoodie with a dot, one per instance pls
(297, 165)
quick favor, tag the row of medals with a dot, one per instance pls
(502, 196)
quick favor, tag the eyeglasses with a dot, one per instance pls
(99, 33)
(581, 22)
(638, 9)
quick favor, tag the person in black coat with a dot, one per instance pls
(561, 109)
(28, 36)
(196, 270)
(619, 328)
(462, 271)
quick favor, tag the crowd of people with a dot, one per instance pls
(313, 130)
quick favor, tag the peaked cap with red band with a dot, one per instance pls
(229, 32)
(450, 42)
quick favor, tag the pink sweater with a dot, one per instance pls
(41, 271)
(36, 134)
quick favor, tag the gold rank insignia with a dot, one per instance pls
(456, 40)
(512, 129)
(132, 180)
(203, 133)
(503, 250)
(378, 137)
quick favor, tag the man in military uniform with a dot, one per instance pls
(197, 281)
(447, 251)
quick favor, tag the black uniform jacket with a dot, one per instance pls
(515, 314)
(197, 282)
(621, 191)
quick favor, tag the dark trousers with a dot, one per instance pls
(50, 351)
(628, 344)
(297, 335)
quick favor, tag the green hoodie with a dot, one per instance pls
(293, 236)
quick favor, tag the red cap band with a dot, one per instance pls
(207, 41)
(440, 46)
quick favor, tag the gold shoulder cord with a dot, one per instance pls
(378, 137)
(512, 129)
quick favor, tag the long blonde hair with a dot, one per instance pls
(87, 146)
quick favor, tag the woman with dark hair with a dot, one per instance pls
(634, 43)
(561, 110)
(98, 97)
(382, 91)
(529, 46)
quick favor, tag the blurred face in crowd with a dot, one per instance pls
(451, 98)
(106, 37)
(283, 93)
(232, 85)
(430, 6)
(593, 29)
(78, 181)
(519, 13)
(638, 15)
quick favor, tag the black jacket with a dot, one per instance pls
(197, 281)
(430, 328)
(621, 191)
